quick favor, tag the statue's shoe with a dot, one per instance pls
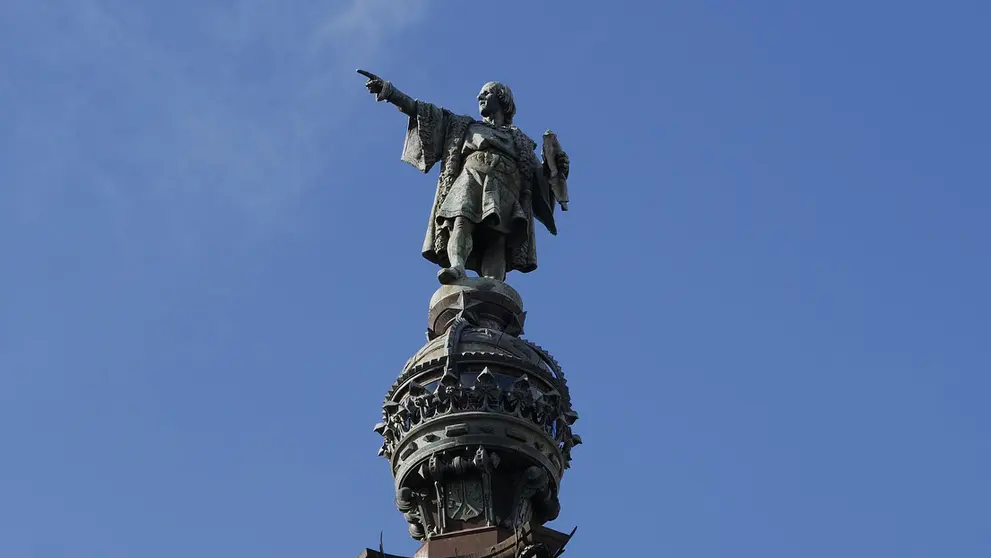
(449, 275)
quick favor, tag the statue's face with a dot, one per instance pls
(488, 101)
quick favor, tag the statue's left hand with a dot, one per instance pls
(563, 163)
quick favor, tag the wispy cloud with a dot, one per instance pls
(182, 117)
(364, 23)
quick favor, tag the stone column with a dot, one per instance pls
(477, 430)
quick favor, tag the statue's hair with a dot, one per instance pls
(505, 95)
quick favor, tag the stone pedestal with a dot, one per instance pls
(477, 428)
(494, 542)
(489, 542)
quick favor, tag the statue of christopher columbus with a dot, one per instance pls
(491, 184)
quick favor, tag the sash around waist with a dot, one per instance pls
(486, 161)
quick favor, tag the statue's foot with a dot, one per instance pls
(449, 275)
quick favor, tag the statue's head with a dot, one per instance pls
(494, 97)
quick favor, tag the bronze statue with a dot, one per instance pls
(491, 185)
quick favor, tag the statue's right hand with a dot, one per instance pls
(375, 84)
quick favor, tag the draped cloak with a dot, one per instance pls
(437, 135)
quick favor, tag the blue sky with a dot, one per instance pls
(770, 293)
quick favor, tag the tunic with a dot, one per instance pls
(489, 175)
(488, 189)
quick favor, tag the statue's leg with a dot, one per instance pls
(460, 244)
(494, 258)
(458, 248)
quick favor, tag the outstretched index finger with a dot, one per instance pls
(368, 74)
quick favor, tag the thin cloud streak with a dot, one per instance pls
(365, 23)
(182, 119)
